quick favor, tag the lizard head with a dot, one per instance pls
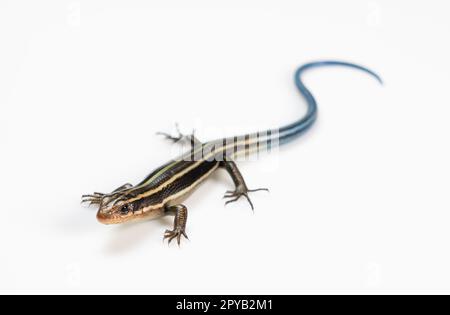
(116, 213)
(123, 206)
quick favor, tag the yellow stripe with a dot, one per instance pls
(180, 193)
(219, 149)
(157, 174)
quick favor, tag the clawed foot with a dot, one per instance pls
(175, 233)
(99, 198)
(180, 136)
(176, 138)
(241, 191)
(94, 199)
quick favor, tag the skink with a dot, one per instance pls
(163, 191)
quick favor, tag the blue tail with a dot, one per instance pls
(292, 131)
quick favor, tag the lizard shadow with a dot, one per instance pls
(128, 236)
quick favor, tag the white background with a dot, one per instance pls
(360, 204)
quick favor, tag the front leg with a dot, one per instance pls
(239, 182)
(99, 198)
(179, 223)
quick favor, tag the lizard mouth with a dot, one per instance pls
(105, 218)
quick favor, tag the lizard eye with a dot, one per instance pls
(124, 210)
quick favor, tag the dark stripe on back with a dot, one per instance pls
(247, 145)
(257, 144)
(178, 185)
(177, 167)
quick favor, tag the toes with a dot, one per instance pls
(239, 192)
(249, 201)
(90, 197)
(232, 200)
(171, 238)
(168, 136)
(87, 198)
(91, 201)
(171, 235)
(167, 233)
(259, 189)
(95, 195)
